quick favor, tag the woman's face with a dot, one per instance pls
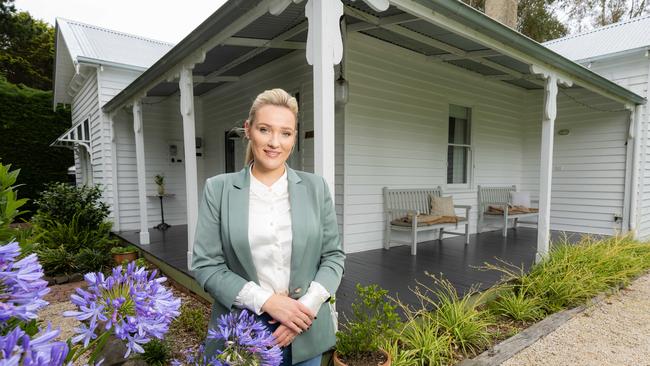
(272, 136)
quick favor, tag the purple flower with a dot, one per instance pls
(22, 287)
(18, 348)
(246, 339)
(131, 303)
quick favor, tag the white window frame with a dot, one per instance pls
(470, 148)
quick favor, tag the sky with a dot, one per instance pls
(163, 20)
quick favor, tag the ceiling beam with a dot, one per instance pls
(470, 54)
(247, 56)
(393, 19)
(512, 77)
(215, 79)
(268, 43)
(455, 52)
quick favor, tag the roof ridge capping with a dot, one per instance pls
(600, 29)
(107, 30)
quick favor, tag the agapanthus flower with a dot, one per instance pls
(18, 348)
(247, 342)
(132, 304)
(22, 287)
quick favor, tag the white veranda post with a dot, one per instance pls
(186, 85)
(546, 158)
(138, 130)
(324, 50)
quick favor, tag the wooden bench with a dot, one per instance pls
(399, 203)
(500, 197)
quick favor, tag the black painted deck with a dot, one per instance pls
(395, 269)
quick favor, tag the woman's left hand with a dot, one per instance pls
(284, 335)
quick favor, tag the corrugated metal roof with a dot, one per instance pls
(101, 44)
(615, 38)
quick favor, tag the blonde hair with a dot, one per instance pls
(277, 97)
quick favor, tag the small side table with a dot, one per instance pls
(163, 225)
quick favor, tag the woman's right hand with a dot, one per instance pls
(292, 313)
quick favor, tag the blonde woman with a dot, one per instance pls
(267, 238)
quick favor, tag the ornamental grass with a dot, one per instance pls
(570, 275)
(447, 327)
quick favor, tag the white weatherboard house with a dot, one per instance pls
(414, 70)
(621, 53)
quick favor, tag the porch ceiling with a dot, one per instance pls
(260, 40)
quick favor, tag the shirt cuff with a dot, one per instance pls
(315, 296)
(252, 296)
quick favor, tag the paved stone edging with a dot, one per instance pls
(515, 344)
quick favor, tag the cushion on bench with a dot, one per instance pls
(427, 220)
(512, 210)
(442, 206)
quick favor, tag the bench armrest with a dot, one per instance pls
(467, 208)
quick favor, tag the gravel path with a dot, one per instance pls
(615, 331)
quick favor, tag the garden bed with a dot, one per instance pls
(186, 332)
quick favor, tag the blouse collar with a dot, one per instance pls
(278, 187)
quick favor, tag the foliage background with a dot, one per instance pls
(27, 127)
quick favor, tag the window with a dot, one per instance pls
(459, 145)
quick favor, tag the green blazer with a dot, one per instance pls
(222, 262)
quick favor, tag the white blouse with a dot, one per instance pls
(270, 236)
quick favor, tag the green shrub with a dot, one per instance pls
(88, 249)
(56, 261)
(156, 352)
(91, 260)
(516, 305)
(194, 320)
(74, 236)
(374, 319)
(61, 202)
(28, 126)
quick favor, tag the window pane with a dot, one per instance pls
(459, 127)
(457, 160)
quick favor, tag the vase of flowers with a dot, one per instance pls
(159, 179)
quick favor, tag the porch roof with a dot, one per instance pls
(241, 36)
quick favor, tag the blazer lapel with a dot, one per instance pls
(238, 202)
(298, 200)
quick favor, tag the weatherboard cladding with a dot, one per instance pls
(619, 37)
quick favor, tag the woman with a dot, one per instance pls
(267, 238)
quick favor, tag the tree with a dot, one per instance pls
(536, 18)
(26, 48)
(584, 15)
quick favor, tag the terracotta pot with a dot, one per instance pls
(338, 362)
(121, 257)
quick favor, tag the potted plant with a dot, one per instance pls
(159, 179)
(122, 254)
(373, 320)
